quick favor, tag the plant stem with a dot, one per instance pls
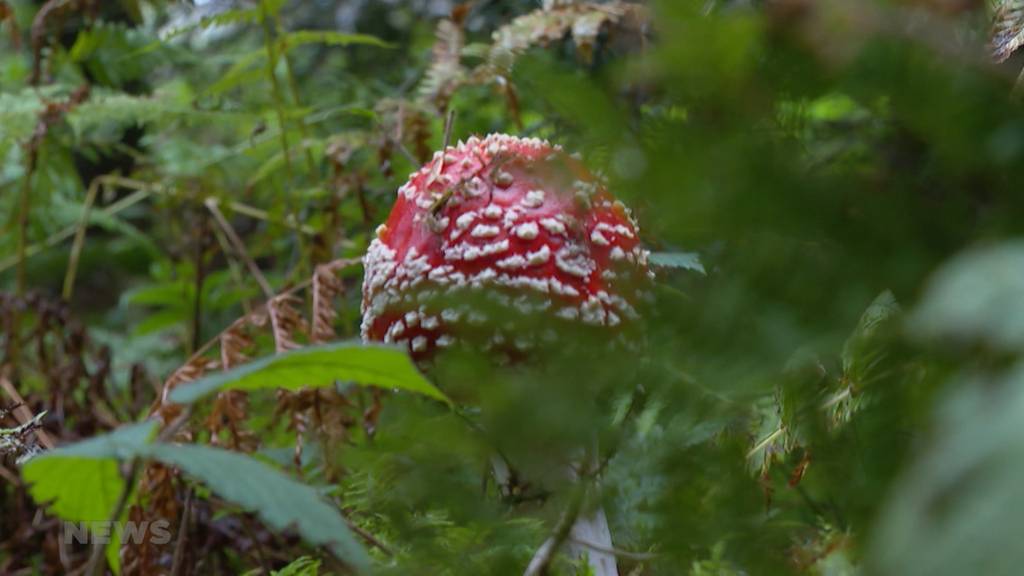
(268, 41)
(97, 560)
(23, 215)
(239, 247)
(546, 553)
(294, 90)
(200, 271)
(77, 245)
(142, 191)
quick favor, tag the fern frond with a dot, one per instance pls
(286, 323)
(329, 38)
(225, 18)
(1007, 29)
(583, 21)
(446, 73)
(326, 287)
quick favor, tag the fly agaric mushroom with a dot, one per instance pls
(515, 218)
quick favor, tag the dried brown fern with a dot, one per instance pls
(326, 288)
(584, 21)
(1007, 29)
(446, 72)
(326, 412)
(230, 407)
(558, 19)
(286, 323)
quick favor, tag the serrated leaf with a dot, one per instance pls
(225, 18)
(82, 482)
(278, 500)
(317, 366)
(684, 260)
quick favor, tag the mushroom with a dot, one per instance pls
(513, 219)
(521, 223)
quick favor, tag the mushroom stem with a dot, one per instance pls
(591, 537)
(544, 555)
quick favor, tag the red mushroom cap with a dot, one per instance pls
(514, 217)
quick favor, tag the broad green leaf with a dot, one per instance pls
(684, 260)
(278, 500)
(82, 482)
(976, 296)
(957, 510)
(317, 366)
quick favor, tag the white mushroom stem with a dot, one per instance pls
(592, 528)
(583, 529)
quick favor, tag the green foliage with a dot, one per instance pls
(826, 378)
(82, 482)
(318, 366)
(684, 260)
(953, 511)
(277, 500)
(973, 299)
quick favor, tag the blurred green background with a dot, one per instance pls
(829, 381)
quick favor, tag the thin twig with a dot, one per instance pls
(449, 126)
(69, 231)
(169, 431)
(200, 277)
(294, 90)
(275, 84)
(638, 556)
(23, 215)
(546, 553)
(9, 476)
(97, 560)
(179, 546)
(370, 538)
(142, 191)
(239, 246)
(233, 267)
(23, 413)
(76, 246)
(405, 152)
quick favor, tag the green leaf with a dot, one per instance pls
(277, 499)
(976, 297)
(82, 482)
(317, 366)
(331, 38)
(957, 510)
(684, 260)
(862, 350)
(304, 566)
(225, 18)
